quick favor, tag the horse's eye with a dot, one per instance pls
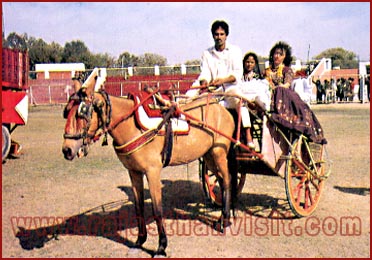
(83, 110)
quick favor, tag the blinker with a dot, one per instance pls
(83, 110)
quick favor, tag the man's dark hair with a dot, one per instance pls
(218, 24)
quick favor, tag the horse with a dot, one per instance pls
(92, 113)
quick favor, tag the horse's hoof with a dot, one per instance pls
(160, 254)
(220, 226)
(217, 226)
(133, 252)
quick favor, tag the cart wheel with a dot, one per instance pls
(304, 176)
(6, 142)
(211, 186)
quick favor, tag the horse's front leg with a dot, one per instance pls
(153, 178)
(137, 187)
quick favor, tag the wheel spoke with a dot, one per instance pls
(308, 197)
(303, 183)
(211, 185)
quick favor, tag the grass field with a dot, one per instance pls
(42, 182)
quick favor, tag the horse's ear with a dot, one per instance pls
(102, 74)
(88, 86)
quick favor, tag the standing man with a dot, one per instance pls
(222, 67)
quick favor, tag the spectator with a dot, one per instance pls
(301, 86)
(328, 91)
(319, 91)
(367, 85)
(334, 89)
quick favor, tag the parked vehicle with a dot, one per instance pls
(14, 99)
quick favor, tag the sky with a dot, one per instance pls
(180, 31)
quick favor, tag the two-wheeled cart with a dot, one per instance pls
(280, 152)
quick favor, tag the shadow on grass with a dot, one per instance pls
(182, 201)
(354, 190)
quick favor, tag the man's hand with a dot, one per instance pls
(217, 82)
(203, 83)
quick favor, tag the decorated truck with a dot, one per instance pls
(14, 98)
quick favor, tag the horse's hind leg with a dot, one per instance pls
(220, 159)
(153, 178)
(137, 187)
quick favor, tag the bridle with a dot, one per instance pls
(86, 106)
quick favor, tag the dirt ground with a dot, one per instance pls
(89, 201)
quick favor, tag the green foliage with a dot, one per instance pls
(151, 59)
(16, 41)
(340, 58)
(126, 60)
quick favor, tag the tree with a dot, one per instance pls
(55, 52)
(340, 57)
(16, 41)
(127, 60)
(193, 62)
(102, 60)
(37, 52)
(42, 52)
(194, 66)
(151, 59)
(76, 51)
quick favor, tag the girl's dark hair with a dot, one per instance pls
(286, 48)
(257, 67)
(218, 24)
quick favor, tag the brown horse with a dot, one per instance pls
(90, 113)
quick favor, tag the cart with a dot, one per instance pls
(14, 100)
(302, 164)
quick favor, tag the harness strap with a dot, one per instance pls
(188, 116)
(147, 137)
(121, 119)
(136, 143)
(168, 145)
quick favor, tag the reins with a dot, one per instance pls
(108, 125)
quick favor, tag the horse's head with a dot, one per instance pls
(87, 116)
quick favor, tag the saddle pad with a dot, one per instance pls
(151, 112)
(179, 125)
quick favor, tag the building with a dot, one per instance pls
(58, 70)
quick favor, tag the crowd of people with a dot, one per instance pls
(224, 67)
(334, 90)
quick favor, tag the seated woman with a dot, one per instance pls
(287, 107)
(254, 88)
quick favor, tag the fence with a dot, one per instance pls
(121, 81)
(42, 92)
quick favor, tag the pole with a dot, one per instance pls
(308, 54)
